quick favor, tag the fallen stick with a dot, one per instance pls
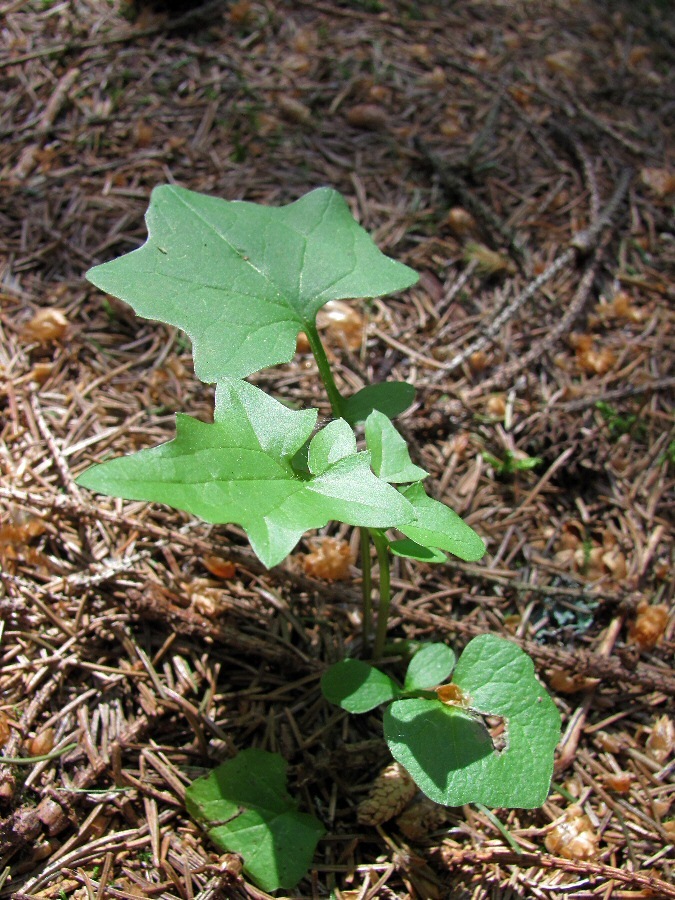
(655, 887)
(28, 158)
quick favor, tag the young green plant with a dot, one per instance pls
(242, 281)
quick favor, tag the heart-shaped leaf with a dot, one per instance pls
(239, 470)
(242, 279)
(356, 686)
(439, 527)
(448, 751)
(244, 807)
(389, 453)
(437, 745)
(389, 397)
(430, 666)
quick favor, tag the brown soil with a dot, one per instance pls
(516, 155)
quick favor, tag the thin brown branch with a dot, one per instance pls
(645, 677)
(501, 856)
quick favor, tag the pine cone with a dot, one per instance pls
(391, 792)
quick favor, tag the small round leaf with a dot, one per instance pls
(389, 397)
(356, 686)
(430, 666)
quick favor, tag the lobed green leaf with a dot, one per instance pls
(239, 470)
(242, 280)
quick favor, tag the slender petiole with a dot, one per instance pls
(382, 549)
(366, 587)
(334, 395)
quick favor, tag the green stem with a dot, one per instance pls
(316, 347)
(382, 548)
(31, 760)
(337, 402)
(366, 587)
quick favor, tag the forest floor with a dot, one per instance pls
(477, 142)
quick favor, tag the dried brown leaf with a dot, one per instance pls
(143, 133)
(662, 739)
(570, 682)
(434, 79)
(41, 372)
(573, 836)
(564, 62)
(461, 223)
(369, 116)
(42, 743)
(219, 567)
(608, 742)
(241, 13)
(619, 782)
(647, 629)
(496, 406)
(331, 559)
(453, 695)
(478, 362)
(421, 818)
(343, 324)
(489, 262)
(5, 729)
(46, 326)
(294, 110)
(660, 181)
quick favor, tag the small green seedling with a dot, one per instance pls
(438, 733)
(618, 424)
(511, 463)
(242, 281)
